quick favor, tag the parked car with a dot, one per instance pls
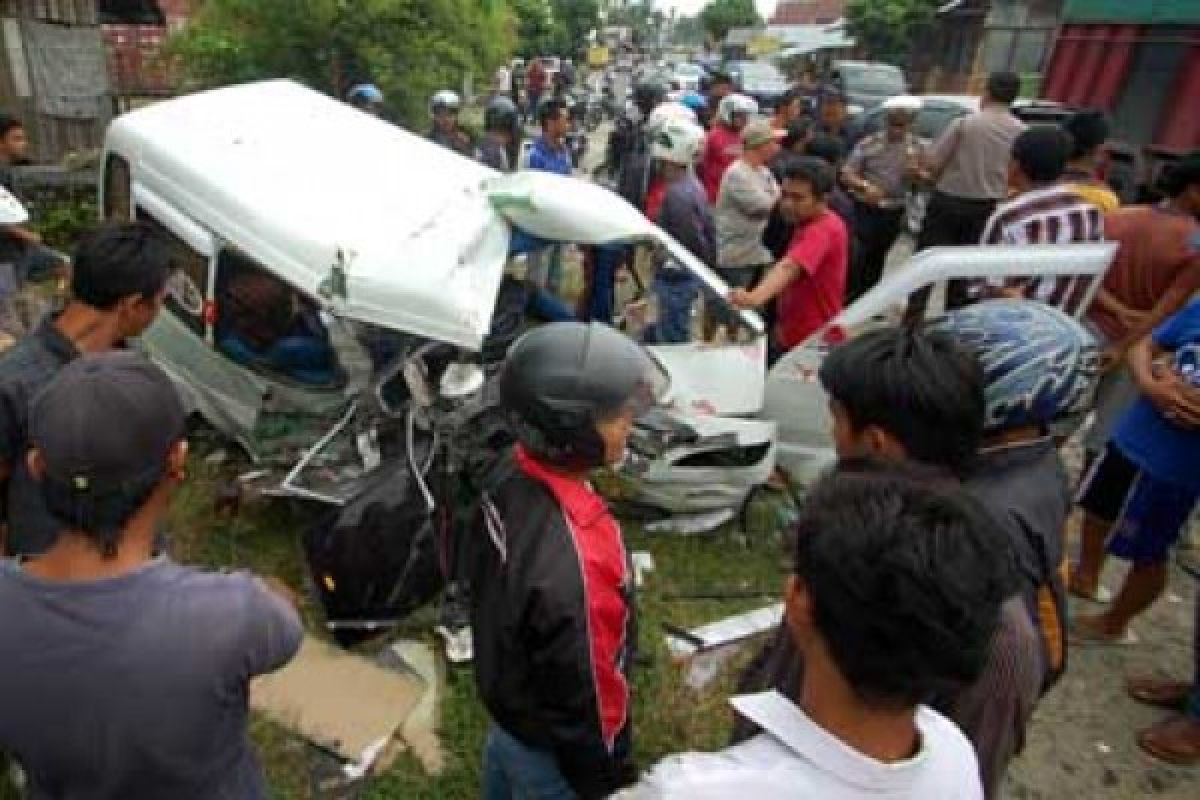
(760, 80)
(936, 114)
(687, 77)
(866, 84)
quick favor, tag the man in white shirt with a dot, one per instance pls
(502, 81)
(893, 598)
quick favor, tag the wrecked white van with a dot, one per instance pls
(342, 298)
(298, 219)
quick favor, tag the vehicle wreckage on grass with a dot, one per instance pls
(342, 302)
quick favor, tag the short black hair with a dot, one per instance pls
(118, 260)
(1042, 152)
(719, 76)
(906, 578)
(827, 148)
(9, 123)
(1088, 130)
(1003, 87)
(549, 109)
(798, 131)
(1177, 177)
(815, 172)
(921, 387)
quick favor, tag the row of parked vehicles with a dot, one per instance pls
(399, 257)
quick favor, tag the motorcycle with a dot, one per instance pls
(594, 111)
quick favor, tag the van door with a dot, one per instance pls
(794, 398)
(706, 379)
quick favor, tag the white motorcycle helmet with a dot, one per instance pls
(679, 142)
(445, 100)
(735, 104)
(12, 212)
(668, 112)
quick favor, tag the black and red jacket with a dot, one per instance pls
(552, 620)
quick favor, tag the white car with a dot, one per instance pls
(687, 77)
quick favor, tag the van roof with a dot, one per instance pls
(294, 178)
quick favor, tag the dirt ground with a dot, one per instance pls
(1082, 743)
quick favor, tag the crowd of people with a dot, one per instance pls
(925, 605)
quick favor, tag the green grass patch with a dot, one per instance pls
(668, 716)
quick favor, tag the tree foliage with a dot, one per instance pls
(886, 27)
(688, 31)
(409, 48)
(637, 16)
(575, 19)
(719, 16)
(536, 31)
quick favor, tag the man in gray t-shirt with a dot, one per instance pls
(125, 676)
(748, 193)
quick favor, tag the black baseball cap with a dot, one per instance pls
(104, 426)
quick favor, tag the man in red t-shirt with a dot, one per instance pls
(811, 278)
(723, 145)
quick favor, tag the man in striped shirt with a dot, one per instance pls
(1043, 211)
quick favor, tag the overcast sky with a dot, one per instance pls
(765, 7)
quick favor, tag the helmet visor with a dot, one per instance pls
(640, 384)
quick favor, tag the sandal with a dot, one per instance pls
(1159, 692)
(1175, 740)
(1089, 631)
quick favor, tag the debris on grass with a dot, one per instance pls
(339, 701)
(724, 631)
(420, 731)
(705, 650)
(690, 524)
(643, 565)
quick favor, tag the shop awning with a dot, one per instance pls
(1089, 64)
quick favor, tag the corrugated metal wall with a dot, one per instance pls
(52, 137)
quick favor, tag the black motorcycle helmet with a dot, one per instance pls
(562, 378)
(648, 95)
(500, 115)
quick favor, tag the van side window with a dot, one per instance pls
(267, 326)
(186, 289)
(116, 189)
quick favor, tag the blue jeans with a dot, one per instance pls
(601, 301)
(676, 296)
(513, 770)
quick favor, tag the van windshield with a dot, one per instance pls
(882, 80)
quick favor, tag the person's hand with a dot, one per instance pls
(1174, 399)
(1129, 318)
(1111, 358)
(281, 590)
(740, 298)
